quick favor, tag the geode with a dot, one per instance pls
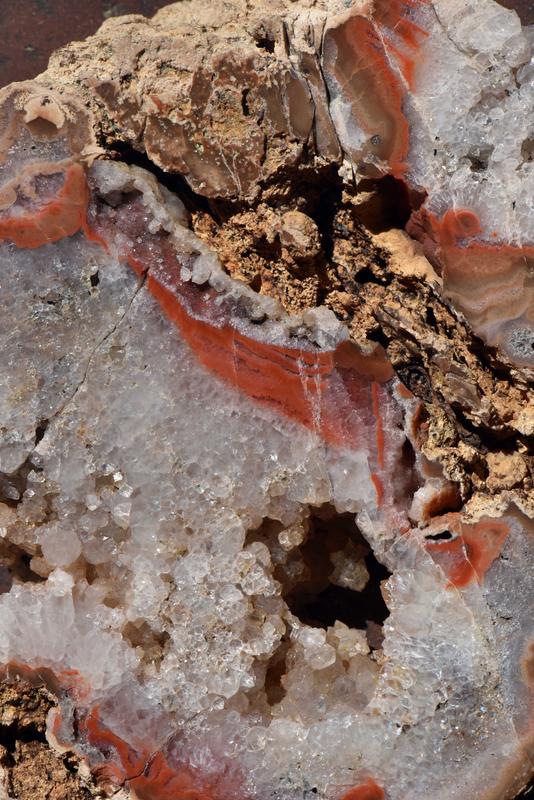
(268, 331)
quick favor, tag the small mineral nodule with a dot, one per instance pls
(300, 235)
(266, 483)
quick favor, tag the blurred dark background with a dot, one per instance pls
(33, 29)
(525, 9)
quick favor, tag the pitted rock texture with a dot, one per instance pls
(29, 768)
(266, 493)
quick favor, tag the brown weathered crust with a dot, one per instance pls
(226, 94)
(30, 768)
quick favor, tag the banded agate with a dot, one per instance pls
(172, 443)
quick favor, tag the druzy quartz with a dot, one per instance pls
(192, 469)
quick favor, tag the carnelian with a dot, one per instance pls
(61, 216)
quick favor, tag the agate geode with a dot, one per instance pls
(259, 546)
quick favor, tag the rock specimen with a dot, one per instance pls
(266, 495)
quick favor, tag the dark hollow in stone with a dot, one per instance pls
(355, 609)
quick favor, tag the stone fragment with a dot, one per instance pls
(241, 546)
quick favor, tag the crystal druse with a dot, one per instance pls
(188, 462)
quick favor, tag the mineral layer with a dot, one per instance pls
(267, 326)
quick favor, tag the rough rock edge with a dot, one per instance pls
(29, 768)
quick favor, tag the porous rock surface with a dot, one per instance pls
(237, 395)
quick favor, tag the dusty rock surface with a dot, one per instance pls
(30, 768)
(154, 84)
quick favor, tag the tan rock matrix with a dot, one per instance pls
(267, 326)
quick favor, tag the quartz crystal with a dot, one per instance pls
(266, 509)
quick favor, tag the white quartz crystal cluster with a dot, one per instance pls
(470, 114)
(471, 147)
